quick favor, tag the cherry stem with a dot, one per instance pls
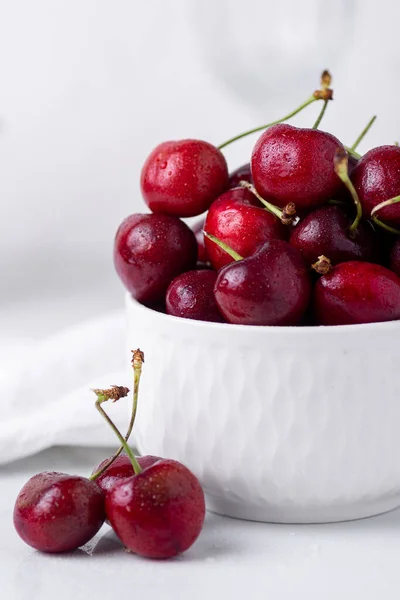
(379, 207)
(261, 127)
(100, 399)
(232, 253)
(340, 162)
(352, 152)
(320, 116)
(137, 362)
(286, 215)
(363, 133)
(323, 265)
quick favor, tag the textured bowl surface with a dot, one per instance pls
(280, 424)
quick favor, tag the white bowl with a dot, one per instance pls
(280, 424)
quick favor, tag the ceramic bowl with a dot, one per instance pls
(280, 424)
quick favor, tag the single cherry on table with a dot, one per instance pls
(182, 178)
(57, 512)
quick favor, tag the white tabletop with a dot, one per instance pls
(231, 559)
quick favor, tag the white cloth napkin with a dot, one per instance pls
(45, 388)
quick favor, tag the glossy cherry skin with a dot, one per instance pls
(121, 468)
(326, 231)
(242, 173)
(395, 257)
(290, 164)
(56, 512)
(149, 251)
(182, 178)
(158, 513)
(202, 256)
(357, 292)
(191, 296)
(376, 179)
(238, 219)
(271, 287)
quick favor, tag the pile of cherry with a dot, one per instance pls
(305, 234)
(155, 506)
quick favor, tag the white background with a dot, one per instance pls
(88, 87)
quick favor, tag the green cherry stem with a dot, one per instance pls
(320, 116)
(101, 397)
(261, 127)
(287, 215)
(223, 246)
(379, 207)
(363, 133)
(340, 162)
(137, 362)
(352, 152)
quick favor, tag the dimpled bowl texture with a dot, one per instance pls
(280, 424)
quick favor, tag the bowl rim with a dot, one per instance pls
(309, 330)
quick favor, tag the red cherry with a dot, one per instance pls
(242, 173)
(290, 164)
(56, 512)
(326, 231)
(149, 251)
(376, 179)
(121, 468)
(158, 513)
(271, 287)
(357, 292)
(237, 219)
(202, 255)
(183, 177)
(191, 296)
(395, 257)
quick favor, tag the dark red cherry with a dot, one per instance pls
(357, 292)
(56, 512)
(182, 178)
(158, 513)
(149, 251)
(326, 231)
(121, 468)
(202, 256)
(290, 164)
(271, 287)
(395, 257)
(237, 219)
(376, 179)
(191, 296)
(242, 173)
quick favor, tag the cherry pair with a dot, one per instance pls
(156, 506)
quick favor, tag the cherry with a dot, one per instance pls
(271, 287)
(191, 296)
(238, 219)
(377, 179)
(395, 257)
(182, 178)
(326, 231)
(158, 513)
(242, 173)
(357, 292)
(121, 468)
(290, 164)
(202, 256)
(149, 251)
(56, 512)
